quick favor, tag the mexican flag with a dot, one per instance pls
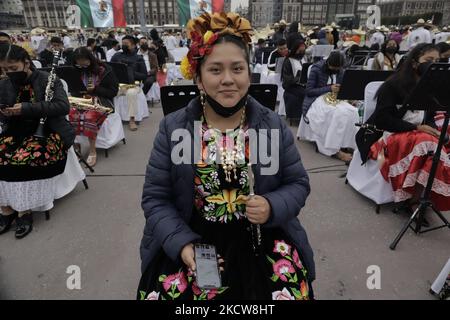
(189, 9)
(102, 13)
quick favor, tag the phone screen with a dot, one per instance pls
(208, 276)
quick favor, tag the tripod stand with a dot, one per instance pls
(425, 200)
(422, 97)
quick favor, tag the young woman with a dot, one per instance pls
(100, 83)
(294, 90)
(403, 149)
(28, 166)
(208, 202)
(330, 125)
(388, 57)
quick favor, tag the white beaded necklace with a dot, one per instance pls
(229, 158)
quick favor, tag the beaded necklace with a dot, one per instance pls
(229, 156)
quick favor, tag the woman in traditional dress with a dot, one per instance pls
(101, 84)
(29, 167)
(409, 137)
(207, 201)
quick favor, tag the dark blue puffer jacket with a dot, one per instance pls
(168, 194)
(317, 84)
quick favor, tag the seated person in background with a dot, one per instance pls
(102, 84)
(444, 52)
(258, 56)
(161, 52)
(333, 124)
(292, 73)
(409, 136)
(96, 50)
(388, 57)
(29, 167)
(130, 57)
(5, 38)
(115, 47)
(280, 52)
(151, 63)
(56, 44)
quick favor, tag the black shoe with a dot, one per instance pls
(24, 225)
(6, 221)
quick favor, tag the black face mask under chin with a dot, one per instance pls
(224, 111)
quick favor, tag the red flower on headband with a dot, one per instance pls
(200, 48)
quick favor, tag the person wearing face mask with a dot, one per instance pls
(388, 57)
(409, 136)
(213, 205)
(100, 83)
(5, 38)
(294, 90)
(151, 63)
(280, 52)
(330, 125)
(46, 56)
(130, 57)
(29, 167)
(115, 47)
(444, 52)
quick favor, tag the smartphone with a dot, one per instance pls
(207, 273)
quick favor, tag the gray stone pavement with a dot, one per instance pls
(100, 229)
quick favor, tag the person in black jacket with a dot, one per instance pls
(98, 51)
(294, 90)
(293, 34)
(409, 136)
(102, 84)
(130, 57)
(29, 166)
(56, 44)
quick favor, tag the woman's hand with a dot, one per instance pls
(257, 209)
(429, 130)
(188, 256)
(335, 88)
(16, 110)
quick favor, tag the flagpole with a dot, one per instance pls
(142, 17)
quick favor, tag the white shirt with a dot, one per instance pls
(146, 59)
(119, 38)
(297, 65)
(442, 37)
(110, 53)
(171, 43)
(35, 41)
(420, 35)
(67, 42)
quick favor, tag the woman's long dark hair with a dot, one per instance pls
(294, 47)
(384, 45)
(85, 53)
(11, 52)
(404, 79)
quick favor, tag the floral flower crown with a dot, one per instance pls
(204, 32)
